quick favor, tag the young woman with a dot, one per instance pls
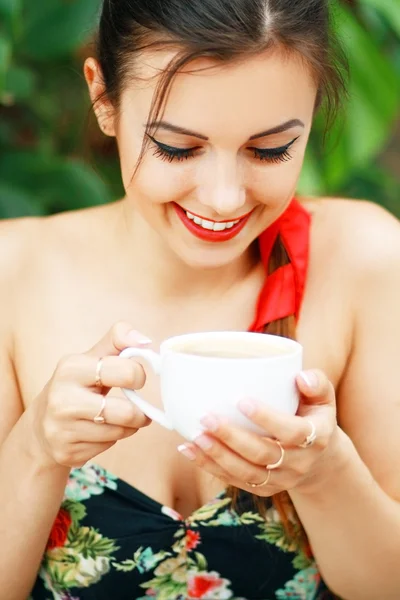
(211, 104)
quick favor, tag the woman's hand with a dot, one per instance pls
(62, 416)
(297, 453)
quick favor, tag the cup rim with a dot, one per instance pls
(294, 347)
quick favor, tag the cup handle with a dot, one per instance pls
(154, 360)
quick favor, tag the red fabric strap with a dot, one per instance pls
(282, 293)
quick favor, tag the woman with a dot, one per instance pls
(211, 104)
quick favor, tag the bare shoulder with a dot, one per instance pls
(27, 241)
(361, 235)
(32, 250)
(16, 238)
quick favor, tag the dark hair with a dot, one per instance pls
(225, 30)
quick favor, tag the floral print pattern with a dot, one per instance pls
(79, 555)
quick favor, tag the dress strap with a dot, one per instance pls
(283, 290)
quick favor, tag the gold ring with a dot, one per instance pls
(278, 462)
(99, 418)
(257, 485)
(98, 382)
(310, 439)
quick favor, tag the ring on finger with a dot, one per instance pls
(312, 436)
(98, 381)
(257, 485)
(99, 419)
(278, 463)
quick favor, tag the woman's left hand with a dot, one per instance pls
(296, 454)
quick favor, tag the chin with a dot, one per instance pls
(210, 256)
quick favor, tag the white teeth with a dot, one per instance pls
(207, 224)
(211, 225)
(219, 226)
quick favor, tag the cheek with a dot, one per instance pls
(275, 184)
(159, 182)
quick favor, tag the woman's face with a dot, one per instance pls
(224, 161)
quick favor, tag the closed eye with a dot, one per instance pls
(274, 155)
(171, 153)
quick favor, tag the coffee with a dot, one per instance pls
(226, 349)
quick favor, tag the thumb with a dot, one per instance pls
(119, 337)
(315, 387)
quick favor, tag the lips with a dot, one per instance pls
(211, 231)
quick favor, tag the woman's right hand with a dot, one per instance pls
(63, 414)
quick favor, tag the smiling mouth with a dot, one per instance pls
(208, 230)
(209, 225)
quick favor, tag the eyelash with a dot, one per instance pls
(271, 155)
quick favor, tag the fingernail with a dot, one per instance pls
(203, 442)
(210, 422)
(183, 449)
(137, 339)
(310, 378)
(247, 407)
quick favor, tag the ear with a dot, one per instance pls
(104, 110)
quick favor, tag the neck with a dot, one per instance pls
(160, 274)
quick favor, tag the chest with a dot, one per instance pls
(64, 322)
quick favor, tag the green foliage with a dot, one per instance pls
(44, 108)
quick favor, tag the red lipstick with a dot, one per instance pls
(209, 235)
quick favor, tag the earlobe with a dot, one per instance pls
(102, 106)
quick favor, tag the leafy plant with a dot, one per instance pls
(46, 136)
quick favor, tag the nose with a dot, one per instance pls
(221, 187)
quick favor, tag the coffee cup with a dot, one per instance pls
(202, 373)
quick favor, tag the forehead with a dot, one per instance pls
(240, 97)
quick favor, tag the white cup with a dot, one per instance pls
(194, 385)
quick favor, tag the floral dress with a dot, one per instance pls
(112, 542)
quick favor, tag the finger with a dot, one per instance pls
(114, 372)
(118, 410)
(228, 461)
(85, 431)
(290, 430)
(121, 336)
(261, 451)
(83, 452)
(315, 385)
(250, 446)
(200, 459)
(205, 462)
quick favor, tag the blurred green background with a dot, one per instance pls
(53, 158)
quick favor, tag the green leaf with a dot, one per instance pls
(374, 95)
(5, 58)
(374, 91)
(62, 184)
(9, 13)
(201, 561)
(76, 510)
(126, 566)
(275, 533)
(16, 202)
(55, 29)
(73, 185)
(390, 9)
(19, 83)
(311, 181)
(301, 561)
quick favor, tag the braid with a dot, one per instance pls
(285, 327)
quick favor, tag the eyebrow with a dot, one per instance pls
(182, 130)
(279, 128)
